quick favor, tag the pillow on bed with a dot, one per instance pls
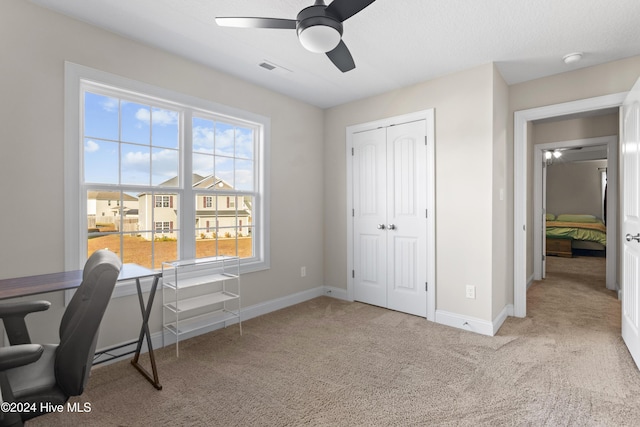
(549, 217)
(576, 218)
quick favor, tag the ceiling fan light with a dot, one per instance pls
(319, 38)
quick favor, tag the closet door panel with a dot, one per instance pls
(369, 217)
(406, 217)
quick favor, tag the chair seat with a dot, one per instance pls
(40, 375)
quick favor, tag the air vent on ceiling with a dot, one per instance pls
(270, 66)
(267, 66)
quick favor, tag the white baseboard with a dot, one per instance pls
(246, 313)
(473, 324)
(467, 323)
(529, 281)
(499, 320)
(338, 293)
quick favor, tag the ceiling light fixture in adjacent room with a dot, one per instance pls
(572, 58)
(549, 156)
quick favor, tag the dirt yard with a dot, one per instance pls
(138, 250)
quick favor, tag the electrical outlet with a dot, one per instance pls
(303, 271)
(471, 291)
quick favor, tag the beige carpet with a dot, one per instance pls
(328, 362)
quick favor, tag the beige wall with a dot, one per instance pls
(35, 43)
(465, 183)
(605, 79)
(574, 188)
(579, 128)
(502, 249)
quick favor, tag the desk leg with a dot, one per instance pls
(144, 332)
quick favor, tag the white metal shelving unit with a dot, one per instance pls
(198, 293)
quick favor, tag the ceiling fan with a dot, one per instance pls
(319, 28)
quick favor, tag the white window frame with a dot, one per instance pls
(75, 218)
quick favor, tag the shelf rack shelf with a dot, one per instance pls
(199, 293)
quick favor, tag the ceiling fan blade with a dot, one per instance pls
(345, 9)
(286, 24)
(341, 57)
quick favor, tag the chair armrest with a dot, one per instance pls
(19, 355)
(22, 308)
(13, 314)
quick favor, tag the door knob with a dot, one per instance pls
(392, 227)
(381, 227)
(636, 237)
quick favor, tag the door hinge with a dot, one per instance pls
(426, 213)
(426, 286)
(353, 212)
(544, 257)
(353, 152)
(425, 140)
(353, 274)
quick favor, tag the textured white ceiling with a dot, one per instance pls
(394, 43)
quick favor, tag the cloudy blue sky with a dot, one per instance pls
(136, 144)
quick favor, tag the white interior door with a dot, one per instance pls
(389, 217)
(370, 217)
(630, 156)
(544, 220)
(406, 217)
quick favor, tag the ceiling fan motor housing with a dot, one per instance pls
(318, 31)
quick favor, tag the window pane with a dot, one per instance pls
(244, 175)
(104, 220)
(136, 165)
(99, 240)
(202, 130)
(206, 246)
(228, 244)
(101, 116)
(130, 213)
(224, 169)
(136, 122)
(244, 143)
(165, 132)
(221, 228)
(203, 164)
(165, 249)
(165, 166)
(224, 139)
(158, 225)
(100, 161)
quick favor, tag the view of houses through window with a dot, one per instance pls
(151, 187)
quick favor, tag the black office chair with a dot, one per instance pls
(39, 375)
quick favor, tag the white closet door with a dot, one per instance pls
(389, 218)
(406, 218)
(369, 217)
